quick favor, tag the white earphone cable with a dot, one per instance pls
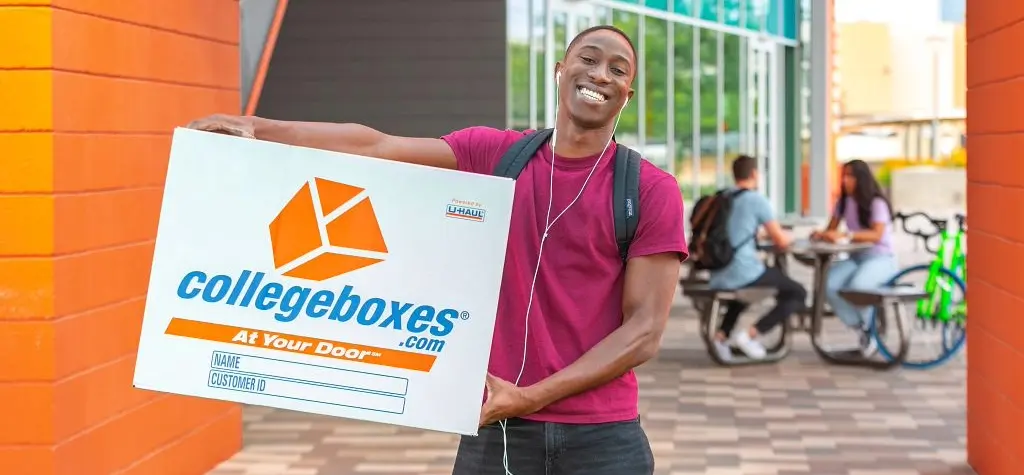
(548, 224)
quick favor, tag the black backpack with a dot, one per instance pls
(710, 247)
(625, 195)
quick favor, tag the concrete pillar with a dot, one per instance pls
(995, 196)
(821, 162)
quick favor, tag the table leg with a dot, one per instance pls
(840, 357)
(782, 262)
(821, 266)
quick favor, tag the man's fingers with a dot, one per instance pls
(485, 415)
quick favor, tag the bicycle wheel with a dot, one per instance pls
(953, 330)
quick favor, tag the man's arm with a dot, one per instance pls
(766, 216)
(779, 237)
(647, 297)
(347, 138)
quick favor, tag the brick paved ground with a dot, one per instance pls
(796, 417)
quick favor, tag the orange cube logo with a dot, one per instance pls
(327, 229)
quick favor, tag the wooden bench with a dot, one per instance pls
(710, 302)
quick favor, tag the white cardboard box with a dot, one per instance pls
(324, 282)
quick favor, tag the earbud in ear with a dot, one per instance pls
(558, 77)
(626, 103)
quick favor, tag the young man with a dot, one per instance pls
(750, 212)
(592, 318)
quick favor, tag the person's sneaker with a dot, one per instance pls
(750, 347)
(868, 345)
(723, 350)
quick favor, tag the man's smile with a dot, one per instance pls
(591, 95)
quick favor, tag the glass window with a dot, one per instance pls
(656, 92)
(773, 19)
(628, 129)
(789, 19)
(732, 74)
(709, 10)
(560, 22)
(731, 12)
(518, 17)
(709, 101)
(537, 49)
(683, 114)
(757, 10)
(657, 4)
(684, 7)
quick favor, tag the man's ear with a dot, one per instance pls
(630, 94)
(558, 70)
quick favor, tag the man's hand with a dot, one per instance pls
(504, 401)
(225, 124)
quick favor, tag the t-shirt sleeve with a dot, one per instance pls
(661, 220)
(477, 149)
(763, 210)
(880, 211)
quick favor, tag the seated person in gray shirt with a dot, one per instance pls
(751, 211)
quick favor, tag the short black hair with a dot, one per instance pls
(611, 28)
(743, 167)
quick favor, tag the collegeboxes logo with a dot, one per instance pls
(327, 229)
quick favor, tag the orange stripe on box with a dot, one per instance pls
(301, 344)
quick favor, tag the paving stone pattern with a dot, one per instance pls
(797, 417)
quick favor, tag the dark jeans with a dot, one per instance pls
(790, 298)
(545, 448)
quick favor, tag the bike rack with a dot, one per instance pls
(708, 302)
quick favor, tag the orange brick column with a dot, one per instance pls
(995, 197)
(89, 93)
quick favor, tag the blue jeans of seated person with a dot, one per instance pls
(864, 271)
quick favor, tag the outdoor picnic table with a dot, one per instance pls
(791, 221)
(819, 255)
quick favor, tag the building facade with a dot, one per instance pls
(87, 135)
(716, 78)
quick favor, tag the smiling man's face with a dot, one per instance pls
(595, 78)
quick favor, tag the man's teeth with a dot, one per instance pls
(597, 96)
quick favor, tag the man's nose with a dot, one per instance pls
(599, 75)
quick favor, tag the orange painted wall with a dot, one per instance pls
(90, 91)
(995, 184)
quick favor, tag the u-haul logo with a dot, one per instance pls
(468, 210)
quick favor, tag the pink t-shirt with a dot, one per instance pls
(578, 296)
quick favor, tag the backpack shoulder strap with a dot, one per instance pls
(518, 155)
(626, 197)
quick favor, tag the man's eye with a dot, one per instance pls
(587, 60)
(618, 71)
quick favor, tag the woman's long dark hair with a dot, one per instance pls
(865, 191)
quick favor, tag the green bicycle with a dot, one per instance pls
(941, 279)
